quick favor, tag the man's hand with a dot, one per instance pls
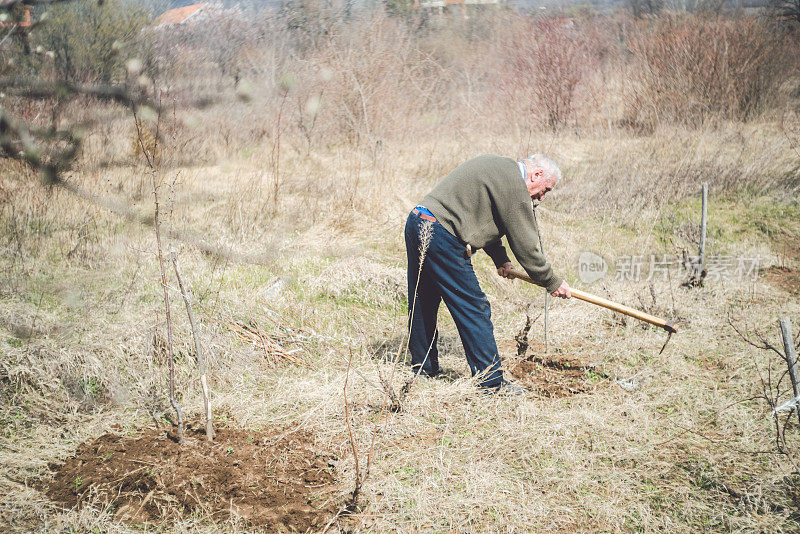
(505, 270)
(562, 291)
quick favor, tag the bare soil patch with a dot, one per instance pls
(784, 278)
(558, 374)
(554, 377)
(269, 479)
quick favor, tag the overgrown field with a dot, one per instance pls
(291, 243)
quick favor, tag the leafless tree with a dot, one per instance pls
(170, 354)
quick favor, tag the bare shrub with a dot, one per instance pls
(786, 10)
(379, 81)
(311, 23)
(548, 59)
(774, 387)
(216, 41)
(87, 39)
(640, 8)
(691, 68)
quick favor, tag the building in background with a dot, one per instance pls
(182, 15)
(449, 6)
(20, 16)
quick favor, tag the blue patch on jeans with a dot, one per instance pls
(424, 210)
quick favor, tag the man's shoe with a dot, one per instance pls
(511, 389)
(422, 372)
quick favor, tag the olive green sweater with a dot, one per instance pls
(484, 199)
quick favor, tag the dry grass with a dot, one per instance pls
(79, 303)
(453, 459)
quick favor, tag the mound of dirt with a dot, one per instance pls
(559, 374)
(556, 377)
(271, 479)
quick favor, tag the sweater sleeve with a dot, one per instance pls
(497, 252)
(523, 239)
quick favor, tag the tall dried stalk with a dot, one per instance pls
(425, 237)
(201, 359)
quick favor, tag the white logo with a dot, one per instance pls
(591, 267)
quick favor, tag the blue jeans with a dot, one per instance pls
(447, 275)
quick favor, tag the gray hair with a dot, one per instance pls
(546, 164)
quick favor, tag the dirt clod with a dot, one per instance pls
(268, 479)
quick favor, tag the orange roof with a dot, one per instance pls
(177, 15)
(24, 23)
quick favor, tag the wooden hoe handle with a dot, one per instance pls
(669, 326)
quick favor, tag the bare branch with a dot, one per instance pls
(763, 345)
(30, 88)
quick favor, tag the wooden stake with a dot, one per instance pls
(201, 359)
(791, 358)
(546, 306)
(702, 251)
(546, 293)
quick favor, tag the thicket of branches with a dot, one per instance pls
(369, 77)
(327, 72)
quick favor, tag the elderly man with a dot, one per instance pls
(472, 208)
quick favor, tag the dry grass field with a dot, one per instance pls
(299, 284)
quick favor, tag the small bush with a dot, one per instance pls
(691, 68)
(89, 41)
(548, 59)
(364, 85)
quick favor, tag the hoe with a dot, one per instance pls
(667, 325)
